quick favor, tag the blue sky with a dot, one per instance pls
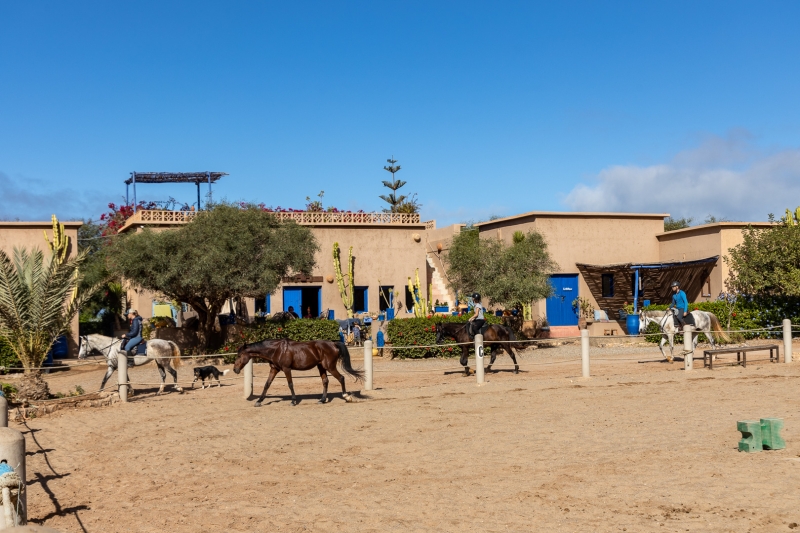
(492, 108)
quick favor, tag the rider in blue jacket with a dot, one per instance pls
(134, 336)
(679, 302)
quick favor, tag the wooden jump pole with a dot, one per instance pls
(12, 452)
(585, 353)
(3, 412)
(479, 370)
(122, 375)
(688, 348)
(787, 340)
(368, 365)
(248, 379)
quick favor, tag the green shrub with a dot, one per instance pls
(8, 358)
(422, 332)
(296, 330)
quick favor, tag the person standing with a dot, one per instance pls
(356, 334)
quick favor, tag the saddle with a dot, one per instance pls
(688, 319)
(139, 349)
(484, 327)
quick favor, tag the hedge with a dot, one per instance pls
(302, 329)
(752, 313)
(422, 332)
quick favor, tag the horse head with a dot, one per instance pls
(243, 357)
(83, 347)
(439, 333)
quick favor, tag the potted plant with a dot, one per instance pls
(441, 307)
(585, 310)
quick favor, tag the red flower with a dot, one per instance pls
(734, 314)
(695, 309)
(280, 329)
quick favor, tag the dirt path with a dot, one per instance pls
(639, 447)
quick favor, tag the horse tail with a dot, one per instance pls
(344, 357)
(719, 333)
(176, 354)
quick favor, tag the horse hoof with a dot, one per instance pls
(321, 401)
(516, 369)
(179, 389)
(294, 402)
(257, 404)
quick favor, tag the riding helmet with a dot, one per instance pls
(476, 296)
(675, 284)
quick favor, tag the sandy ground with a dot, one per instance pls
(638, 447)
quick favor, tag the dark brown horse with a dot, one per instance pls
(286, 355)
(495, 332)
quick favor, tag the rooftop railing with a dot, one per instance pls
(305, 218)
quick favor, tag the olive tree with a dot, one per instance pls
(229, 251)
(505, 274)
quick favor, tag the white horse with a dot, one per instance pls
(703, 321)
(158, 350)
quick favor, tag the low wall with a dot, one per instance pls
(184, 338)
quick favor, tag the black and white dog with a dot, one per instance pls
(209, 372)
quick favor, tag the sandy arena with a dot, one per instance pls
(638, 447)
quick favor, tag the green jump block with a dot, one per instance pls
(771, 434)
(751, 435)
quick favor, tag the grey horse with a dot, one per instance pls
(158, 350)
(704, 321)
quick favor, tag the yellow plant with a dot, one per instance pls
(347, 296)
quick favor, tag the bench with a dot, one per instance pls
(741, 354)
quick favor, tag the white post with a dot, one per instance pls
(3, 412)
(787, 340)
(248, 379)
(368, 365)
(479, 370)
(12, 452)
(688, 348)
(585, 353)
(122, 375)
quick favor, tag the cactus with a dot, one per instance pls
(527, 312)
(60, 242)
(792, 219)
(347, 296)
(420, 304)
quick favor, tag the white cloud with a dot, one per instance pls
(30, 199)
(725, 177)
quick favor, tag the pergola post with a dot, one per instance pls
(208, 174)
(134, 191)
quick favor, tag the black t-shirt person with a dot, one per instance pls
(291, 312)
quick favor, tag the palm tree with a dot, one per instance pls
(38, 300)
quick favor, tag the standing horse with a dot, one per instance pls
(289, 355)
(703, 321)
(158, 350)
(458, 332)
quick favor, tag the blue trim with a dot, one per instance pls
(268, 304)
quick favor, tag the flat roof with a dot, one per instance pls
(720, 225)
(38, 223)
(575, 214)
(174, 177)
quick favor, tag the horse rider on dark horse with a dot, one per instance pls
(680, 303)
(477, 320)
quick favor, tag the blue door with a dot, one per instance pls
(293, 296)
(559, 306)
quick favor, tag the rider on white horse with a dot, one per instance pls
(680, 303)
(134, 337)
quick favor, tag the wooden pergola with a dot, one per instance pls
(171, 177)
(636, 282)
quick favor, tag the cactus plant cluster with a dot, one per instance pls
(60, 242)
(422, 307)
(792, 219)
(347, 295)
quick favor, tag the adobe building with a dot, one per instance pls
(388, 248)
(30, 235)
(613, 259)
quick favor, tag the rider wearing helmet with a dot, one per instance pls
(477, 320)
(134, 336)
(679, 302)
